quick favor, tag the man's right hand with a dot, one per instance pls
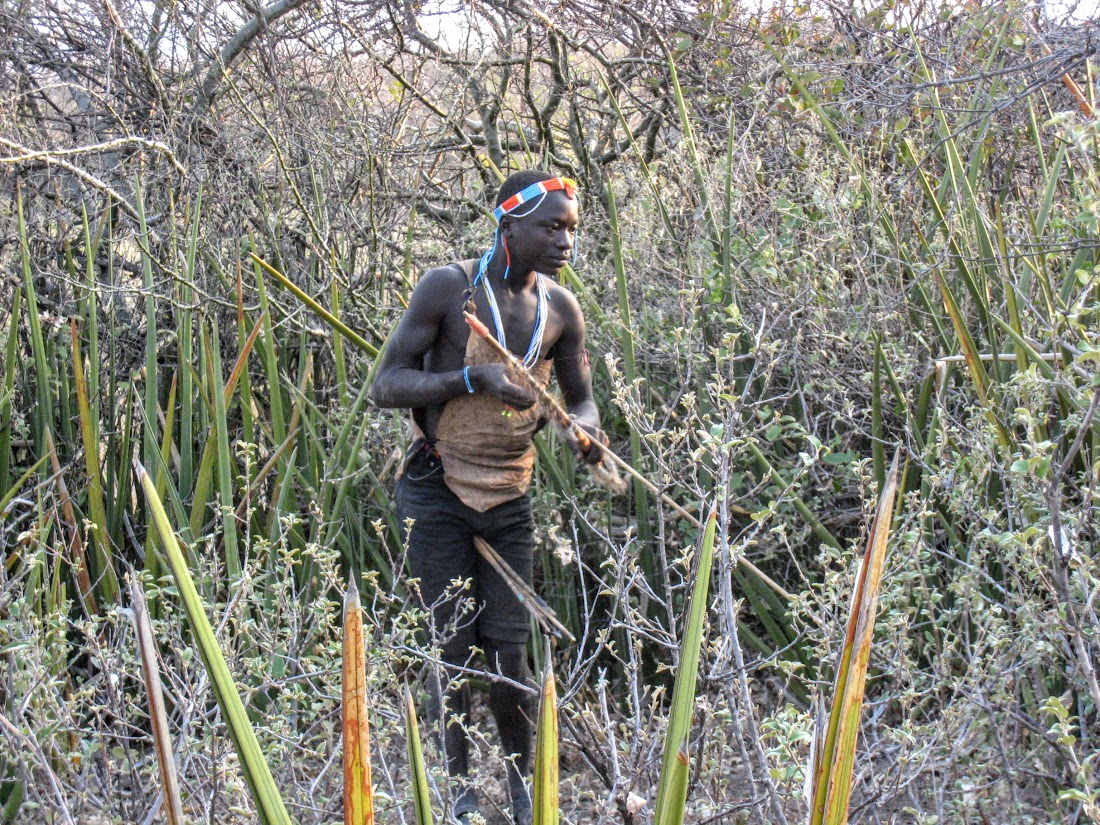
(493, 379)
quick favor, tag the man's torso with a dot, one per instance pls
(517, 315)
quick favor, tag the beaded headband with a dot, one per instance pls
(536, 190)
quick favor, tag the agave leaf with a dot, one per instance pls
(270, 357)
(226, 465)
(545, 783)
(151, 442)
(973, 359)
(341, 480)
(338, 349)
(120, 479)
(7, 496)
(816, 526)
(358, 797)
(677, 788)
(959, 256)
(878, 455)
(186, 343)
(162, 741)
(213, 459)
(14, 801)
(422, 803)
(630, 372)
(164, 482)
(327, 316)
(766, 606)
(43, 412)
(248, 426)
(77, 558)
(205, 477)
(7, 392)
(1054, 177)
(832, 781)
(254, 768)
(695, 156)
(104, 562)
(91, 310)
(670, 802)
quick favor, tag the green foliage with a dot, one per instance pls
(802, 245)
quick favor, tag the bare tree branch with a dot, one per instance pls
(30, 156)
(225, 57)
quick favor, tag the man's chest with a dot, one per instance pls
(517, 319)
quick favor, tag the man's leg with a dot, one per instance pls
(513, 708)
(456, 713)
(504, 626)
(440, 550)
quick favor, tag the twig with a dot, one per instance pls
(106, 146)
(221, 62)
(562, 417)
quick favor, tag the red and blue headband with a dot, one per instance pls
(539, 189)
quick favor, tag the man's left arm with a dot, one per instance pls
(574, 375)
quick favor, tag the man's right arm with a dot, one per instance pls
(402, 381)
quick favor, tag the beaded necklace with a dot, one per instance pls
(535, 347)
(532, 194)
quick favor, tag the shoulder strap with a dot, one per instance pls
(469, 268)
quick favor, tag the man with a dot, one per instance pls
(469, 468)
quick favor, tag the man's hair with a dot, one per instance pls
(519, 181)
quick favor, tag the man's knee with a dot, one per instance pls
(510, 693)
(457, 650)
(508, 659)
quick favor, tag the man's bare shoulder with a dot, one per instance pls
(564, 303)
(449, 276)
(440, 286)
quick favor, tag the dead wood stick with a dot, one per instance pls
(566, 421)
(543, 613)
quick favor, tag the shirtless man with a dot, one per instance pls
(469, 469)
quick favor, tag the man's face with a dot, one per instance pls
(543, 241)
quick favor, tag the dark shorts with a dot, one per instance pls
(441, 549)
